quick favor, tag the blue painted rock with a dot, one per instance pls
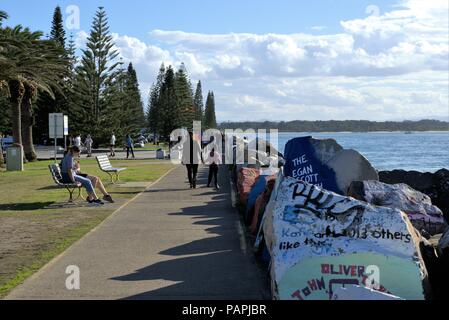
(326, 164)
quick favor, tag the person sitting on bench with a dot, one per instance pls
(69, 175)
(96, 182)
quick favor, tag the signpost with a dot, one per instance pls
(58, 126)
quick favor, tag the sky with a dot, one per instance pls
(280, 60)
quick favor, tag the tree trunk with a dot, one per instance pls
(27, 129)
(2, 161)
(17, 91)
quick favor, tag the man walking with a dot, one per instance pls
(191, 157)
(129, 146)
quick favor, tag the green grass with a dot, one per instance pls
(60, 244)
(32, 231)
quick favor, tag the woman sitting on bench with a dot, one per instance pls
(96, 182)
(69, 175)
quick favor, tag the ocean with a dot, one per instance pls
(420, 151)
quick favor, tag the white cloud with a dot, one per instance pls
(389, 66)
(318, 28)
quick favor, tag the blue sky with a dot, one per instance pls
(136, 17)
(282, 59)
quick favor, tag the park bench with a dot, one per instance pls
(105, 166)
(57, 177)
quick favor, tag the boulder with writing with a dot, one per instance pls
(417, 205)
(353, 292)
(326, 164)
(319, 240)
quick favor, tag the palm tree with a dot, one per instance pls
(28, 65)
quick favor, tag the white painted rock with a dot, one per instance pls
(417, 205)
(353, 292)
(319, 241)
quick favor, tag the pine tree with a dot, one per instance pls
(57, 28)
(198, 102)
(134, 100)
(186, 112)
(94, 76)
(46, 104)
(210, 120)
(168, 107)
(154, 109)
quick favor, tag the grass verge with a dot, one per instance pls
(35, 226)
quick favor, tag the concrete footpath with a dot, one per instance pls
(170, 242)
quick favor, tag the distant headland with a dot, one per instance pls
(340, 125)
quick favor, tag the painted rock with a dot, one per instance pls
(326, 164)
(435, 185)
(319, 241)
(247, 177)
(417, 205)
(353, 292)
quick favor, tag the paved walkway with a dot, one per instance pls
(170, 242)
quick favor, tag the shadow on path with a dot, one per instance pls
(213, 267)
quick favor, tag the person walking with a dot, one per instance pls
(213, 159)
(88, 143)
(129, 146)
(77, 141)
(112, 145)
(191, 158)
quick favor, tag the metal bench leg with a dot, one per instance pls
(117, 176)
(111, 177)
(79, 194)
(70, 194)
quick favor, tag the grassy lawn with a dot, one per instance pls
(35, 226)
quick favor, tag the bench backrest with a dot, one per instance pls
(103, 162)
(55, 172)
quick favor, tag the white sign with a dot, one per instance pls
(66, 125)
(56, 125)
